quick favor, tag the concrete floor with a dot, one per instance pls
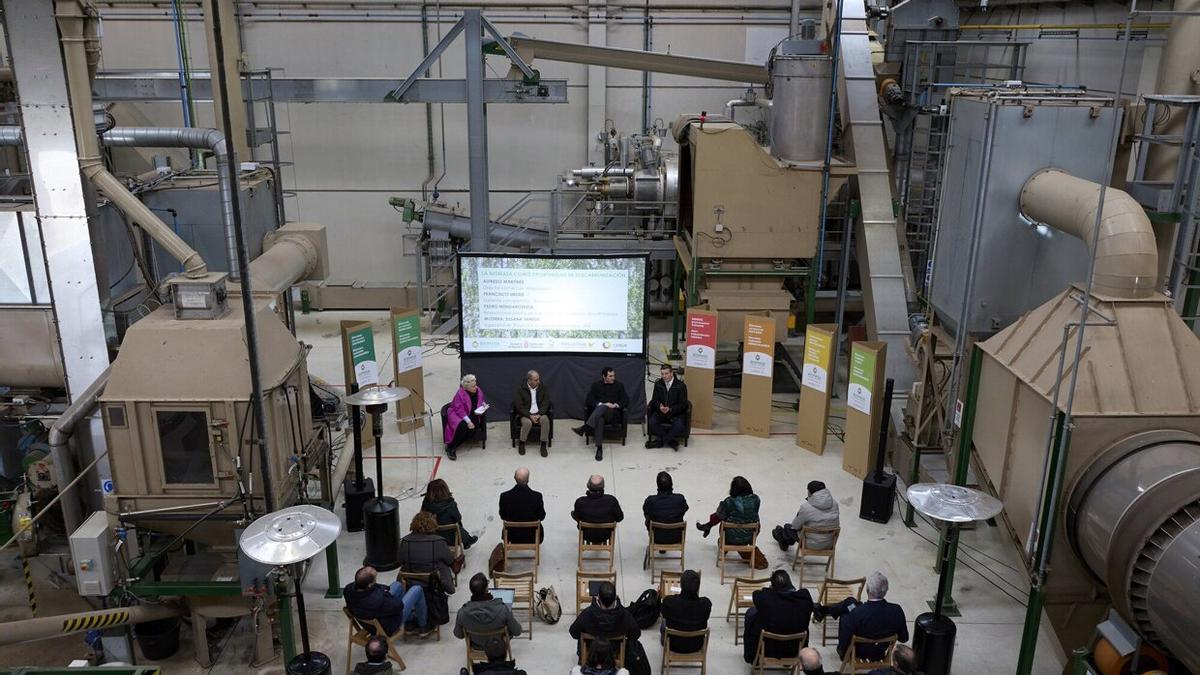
(988, 632)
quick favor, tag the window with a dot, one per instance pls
(116, 416)
(183, 437)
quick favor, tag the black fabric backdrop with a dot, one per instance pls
(567, 377)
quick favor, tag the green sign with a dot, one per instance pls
(862, 379)
(406, 336)
(362, 356)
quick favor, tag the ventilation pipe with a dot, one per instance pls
(292, 256)
(1126, 253)
(60, 438)
(1178, 73)
(80, 43)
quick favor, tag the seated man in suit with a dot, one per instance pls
(605, 404)
(597, 507)
(392, 606)
(522, 504)
(904, 662)
(686, 611)
(667, 507)
(606, 617)
(376, 663)
(668, 410)
(780, 609)
(876, 618)
(532, 404)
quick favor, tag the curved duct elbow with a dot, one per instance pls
(1126, 253)
(289, 260)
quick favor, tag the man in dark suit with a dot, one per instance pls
(606, 403)
(686, 611)
(668, 410)
(876, 618)
(532, 404)
(904, 662)
(597, 507)
(522, 504)
(780, 609)
(665, 507)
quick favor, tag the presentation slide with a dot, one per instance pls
(553, 304)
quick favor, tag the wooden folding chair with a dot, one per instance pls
(510, 548)
(741, 598)
(583, 596)
(852, 664)
(424, 579)
(834, 591)
(607, 549)
(475, 655)
(362, 631)
(724, 548)
(521, 584)
(456, 549)
(653, 550)
(824, 556)
(687, 659)
(791, 663)
(669, 582)
(618, 648)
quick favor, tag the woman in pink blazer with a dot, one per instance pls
(461, 418)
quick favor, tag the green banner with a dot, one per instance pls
(862, 379)
(362, 356)
(406, 336)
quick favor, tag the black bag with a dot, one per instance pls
(436, 599)
(636, 661)
(646, 608)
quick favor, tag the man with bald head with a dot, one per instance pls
(810, 662)
(596, 507)
(522, 504)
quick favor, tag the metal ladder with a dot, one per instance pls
(259, 92)
(924, 192)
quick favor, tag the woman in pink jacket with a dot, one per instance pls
(461, 418)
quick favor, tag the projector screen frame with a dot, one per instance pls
(645, 258)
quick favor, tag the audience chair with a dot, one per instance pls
(790, 663)
(426, 580)
(834, 591)
(510, 548)
(521, 584)
(724, 548)
(362, 631)
(476, 655)
(653, 550)
(691, 660)
(687, 423)
(607, 548)
(613, 431)
(852, 664)
(668, 582)
(583, 596)
(480, 435)
(618, 644)
(819, 556)
(741, 598)
(456, 549)
(514, 427)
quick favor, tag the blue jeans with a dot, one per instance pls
(414, 604)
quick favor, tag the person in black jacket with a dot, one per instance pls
(597, 507)
(606, 403)
(810, 662)
(522, 504)
(606, 617)
(376, 663)
(780, 609)
(532, 404)
(440, 502)
(665, 507)
(874, 619)
(686, 611)
(668, 410)
(393, 606)
(904, 662)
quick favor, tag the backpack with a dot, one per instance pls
(546, 605)
(646, 608)
(636, 661)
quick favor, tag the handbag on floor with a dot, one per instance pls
(496, 560)
(546, 605)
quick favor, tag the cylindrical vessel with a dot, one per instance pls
(933, 640)
(381, 522)
(800, 107)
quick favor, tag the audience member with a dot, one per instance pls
(819, 510)
(874, 619)
(606, 617)
(810, 662)
(467, 410)
(440, 502)
(741, 506)
(668, 410)
(904, 662)
(424, 550)
(686, 611)
(484, 614)
(392, 606)
(601, 660)
(596, 507)
(667, 507)
(780, 609)
(522, 504)
(606, 403)
(376, 663)
(532, 404)
(497, 662)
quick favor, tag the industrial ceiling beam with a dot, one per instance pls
(636, 59)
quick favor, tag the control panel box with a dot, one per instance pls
(92, 556)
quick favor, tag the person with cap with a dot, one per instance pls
(820, 510)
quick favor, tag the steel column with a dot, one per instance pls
(476, 132)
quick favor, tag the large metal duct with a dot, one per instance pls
(60, 438)
(64, 624)
(1126, 253)
(1134, 519)
(1178, 73)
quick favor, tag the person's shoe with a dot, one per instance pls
(452, 454)
(543, 451)
(706, 528)
(580, 430)
(599, 453)
(520, 447)
(818, 613)
(653, 443)
(674, 445)
(424, 632)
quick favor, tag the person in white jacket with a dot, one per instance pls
(820, 510)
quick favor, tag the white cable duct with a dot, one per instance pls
(1126, 253)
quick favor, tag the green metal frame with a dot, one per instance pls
(154, 589)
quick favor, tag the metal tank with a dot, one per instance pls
(799, 106)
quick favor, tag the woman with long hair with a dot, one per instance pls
(440, 502)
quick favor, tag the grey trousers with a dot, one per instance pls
(527, 426)
(598, 417)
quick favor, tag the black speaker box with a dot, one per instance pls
(878, 497)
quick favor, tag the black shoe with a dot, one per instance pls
(599, 453)
(452, 454)
(580, 430)
(706, 528)
(674, 445)
(543, 451)
(653, 443)
(521, 447)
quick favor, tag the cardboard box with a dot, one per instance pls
(732, 305)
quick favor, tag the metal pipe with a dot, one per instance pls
(168, 509)
(636, 59)
(65, 624)
(59, 440)
(810, 309)
(290, 258)
(1178, 73)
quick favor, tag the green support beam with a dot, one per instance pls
(677, 279)
(332, 570)
(154, 589)
(287, 634)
